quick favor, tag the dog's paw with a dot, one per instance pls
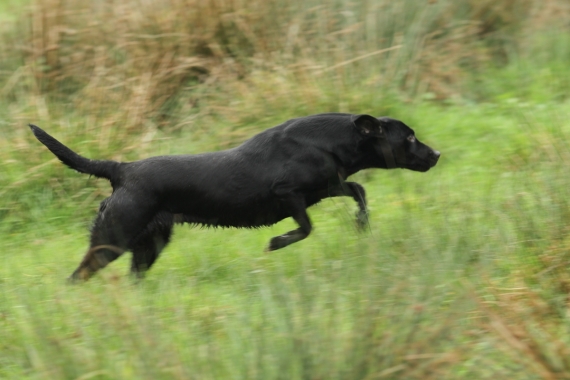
(280, 241)
(275, 243)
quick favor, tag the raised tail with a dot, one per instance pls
(98, 168)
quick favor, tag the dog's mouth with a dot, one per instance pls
(422, 168)
(423, 164)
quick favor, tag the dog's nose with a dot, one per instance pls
(435, 154)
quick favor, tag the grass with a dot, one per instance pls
(456, 260)
(440, 287)
(240, 315)
(463, 273)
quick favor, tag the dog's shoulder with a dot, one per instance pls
(313, 135)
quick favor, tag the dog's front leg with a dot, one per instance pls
(357, 192)
(348, 189)
(359, 195)
(298, 208)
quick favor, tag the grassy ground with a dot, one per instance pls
(463, 273)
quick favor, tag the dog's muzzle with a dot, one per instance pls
(433, 157)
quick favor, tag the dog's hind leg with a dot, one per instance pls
(148, 246)
(298, 207)
(122, 217)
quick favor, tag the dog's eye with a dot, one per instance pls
(411, 138)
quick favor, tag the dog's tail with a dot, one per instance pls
(98, 168)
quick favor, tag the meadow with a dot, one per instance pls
(463, 273)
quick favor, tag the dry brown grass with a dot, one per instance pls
(133, 57)
(529, 328)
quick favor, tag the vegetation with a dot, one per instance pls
(463, 274)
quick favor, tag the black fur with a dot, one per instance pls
(276, 174)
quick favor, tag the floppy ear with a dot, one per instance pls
(367, 125)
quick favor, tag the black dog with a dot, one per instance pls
(276, 174)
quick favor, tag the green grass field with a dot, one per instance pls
(462, 275)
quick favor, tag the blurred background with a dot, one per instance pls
(463, 274)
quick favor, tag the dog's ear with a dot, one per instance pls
(367, 125)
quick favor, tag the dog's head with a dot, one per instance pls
(396, 144)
